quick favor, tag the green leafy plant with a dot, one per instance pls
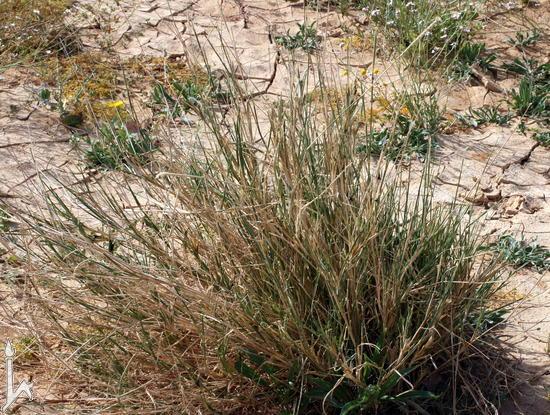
(531, 97)
(117, 147)
(185, 96)
(525, 39)
(471, 54)
(477, 117)
(412, 129)
(521, 253)
(403, 140)
(306, 39)
(521, 66)
(543, 138)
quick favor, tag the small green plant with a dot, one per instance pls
(180, 100)
(525, 39)
(522, 127)
(44, 95)
(118, 148)
(470, 54)
(306, 39)
(521, 66)
(412, 129)
(521, 253)
(543, 138)
(401, 141)
(477, 117)
(530, 99)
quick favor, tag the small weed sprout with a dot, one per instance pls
(543, 138)
(185, 96)
(4, 217)
(306, 39)
(525, 39)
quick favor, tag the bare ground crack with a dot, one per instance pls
(25, 143)
(522, 160)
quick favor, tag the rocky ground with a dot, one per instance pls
(502, 172)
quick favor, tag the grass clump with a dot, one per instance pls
(271, 269)
(521, 253)
(305, 38)
(34, 29)
(431, 31)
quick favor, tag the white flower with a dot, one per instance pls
(36, 11)
(510, 5)
(375, 12)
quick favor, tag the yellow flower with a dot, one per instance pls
(405, 111)
(115, 104)
(363, 72)
(344, 72)
(376, 71)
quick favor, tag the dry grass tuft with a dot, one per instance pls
(275, 268)
(32, 30)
